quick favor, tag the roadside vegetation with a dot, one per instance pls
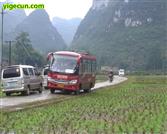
(1, 93)
(29, 55)
(139, 105)
(101, 77)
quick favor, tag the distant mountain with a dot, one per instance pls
(129, 34)
(11, 18)
(66, 27)
(43, 34)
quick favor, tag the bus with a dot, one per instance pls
(71, 71)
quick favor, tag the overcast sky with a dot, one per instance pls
(62, 8)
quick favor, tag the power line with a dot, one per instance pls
(27, 52)
(10, 51)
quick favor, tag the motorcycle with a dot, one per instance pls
(111, 76)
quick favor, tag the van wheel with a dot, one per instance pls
(52, 91)
(40, 89)
(27, 92)
(8, 94)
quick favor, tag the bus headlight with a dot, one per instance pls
(73, 82)
(49, 79)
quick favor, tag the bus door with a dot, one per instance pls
(85, 77)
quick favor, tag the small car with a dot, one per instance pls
(21, 78)
(121, 72)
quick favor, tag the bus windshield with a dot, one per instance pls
(63, 64)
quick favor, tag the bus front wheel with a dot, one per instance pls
(52, 91)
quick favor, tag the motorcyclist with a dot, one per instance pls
(110, 75)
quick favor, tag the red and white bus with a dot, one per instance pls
(71, 71)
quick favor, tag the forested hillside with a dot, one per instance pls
(128, 34)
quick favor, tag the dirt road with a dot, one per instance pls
(17, 102)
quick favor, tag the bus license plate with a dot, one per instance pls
(60, 85)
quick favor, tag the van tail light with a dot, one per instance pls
(22, 81)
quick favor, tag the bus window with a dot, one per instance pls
(93, 66)
(90, 66)
(84, 66)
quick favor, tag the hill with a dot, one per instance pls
(129, 34)
(11, 19)
(43, 34)
(66, 27)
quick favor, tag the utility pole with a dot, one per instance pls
(2, 15)
(10, 51)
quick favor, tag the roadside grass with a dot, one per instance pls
(138, 105)
(101, 78)
(1, 93)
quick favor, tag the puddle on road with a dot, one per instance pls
(18, 108)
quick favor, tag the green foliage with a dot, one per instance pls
(101, 77)
(126, 46)
(1, 93)
(137, 106)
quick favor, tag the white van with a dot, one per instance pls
(121, 72)
(20, 78)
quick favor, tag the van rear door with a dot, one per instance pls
(10, 77)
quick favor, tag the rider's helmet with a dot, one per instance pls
(110, 71)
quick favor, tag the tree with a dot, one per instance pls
(155, 61)
(24, 53)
